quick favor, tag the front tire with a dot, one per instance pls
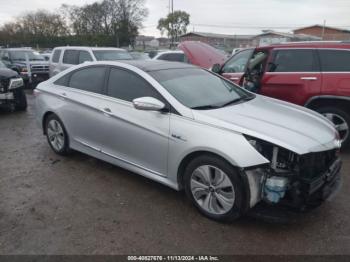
(20, 100)
(56, 134)
(215, 188)
(341, 119)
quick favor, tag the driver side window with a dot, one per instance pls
(238, 62)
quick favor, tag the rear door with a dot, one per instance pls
(292, 75)
(82, 111)
(335, 64)
(235, 67)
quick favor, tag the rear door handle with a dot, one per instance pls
(309, 78)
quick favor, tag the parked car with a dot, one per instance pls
(172, 56)
(191, 129)
(12, 95)
(139, 55)
(30, 65)
(315, 75)
(193, 52)
(67, 56)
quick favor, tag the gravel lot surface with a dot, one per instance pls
(80, 205)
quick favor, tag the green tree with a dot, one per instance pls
(175, 24)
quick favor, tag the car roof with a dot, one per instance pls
(155, 65)
(88, 48)
(309, 44)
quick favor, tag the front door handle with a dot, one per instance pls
(107, 111)
(63, 95)
(309, 78)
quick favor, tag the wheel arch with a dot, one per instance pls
(328, 101)
(45, 116)
(189, 157)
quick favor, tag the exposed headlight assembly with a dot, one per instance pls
(15, 83)
(270, 183)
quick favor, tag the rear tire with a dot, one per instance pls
(20, 100)
(221, 196)
(57, 136)
(341, 119)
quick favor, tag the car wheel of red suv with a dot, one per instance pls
(341, 119)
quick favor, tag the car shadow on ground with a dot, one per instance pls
(272, 222)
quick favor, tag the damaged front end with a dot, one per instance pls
(291, 180)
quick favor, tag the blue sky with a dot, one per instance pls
(219, 16)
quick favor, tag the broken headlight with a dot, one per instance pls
(281, 159)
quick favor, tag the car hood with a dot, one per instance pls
(6, 73)
(289, 126)
(202, 54)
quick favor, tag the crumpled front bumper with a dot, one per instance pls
(302, 194)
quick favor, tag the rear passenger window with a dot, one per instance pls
(84, 56)
(127, 86)
(63, 81)
(70, 57)
(302, 60)
(335, 60)
(88, 79)
(56, 56)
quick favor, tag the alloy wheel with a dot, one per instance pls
(340, 124)
(55, 134)
(212, 189)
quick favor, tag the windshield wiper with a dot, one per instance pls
(234, 101)
(204, 107)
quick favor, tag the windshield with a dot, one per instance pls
(198, 89)
(111, 55)
(24, 55)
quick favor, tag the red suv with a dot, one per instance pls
(313, 74)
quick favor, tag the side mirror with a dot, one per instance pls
(148, 103)
(216, 68)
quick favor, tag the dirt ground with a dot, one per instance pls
(80, 205)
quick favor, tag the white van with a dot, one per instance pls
(67, 56)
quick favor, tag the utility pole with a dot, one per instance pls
(323, 29)
(172, 25)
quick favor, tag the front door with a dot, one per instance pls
(235, 67)
(137, 137)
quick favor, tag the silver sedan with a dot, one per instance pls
(190, 129)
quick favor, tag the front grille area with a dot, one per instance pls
(39, 68)
(4, 84)
(313, 165)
